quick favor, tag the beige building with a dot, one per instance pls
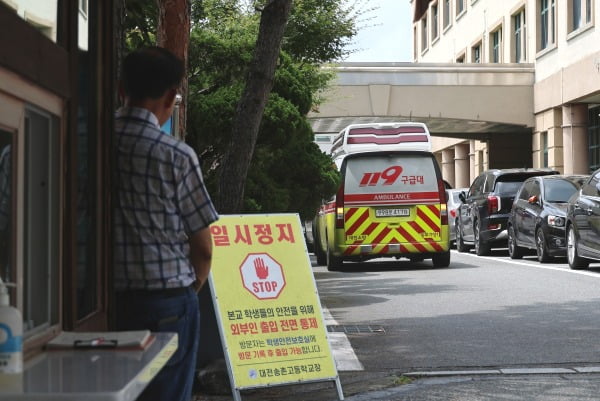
(559, 38)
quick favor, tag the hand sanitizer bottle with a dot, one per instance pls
(11, 343)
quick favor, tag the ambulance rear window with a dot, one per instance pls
(385, 174)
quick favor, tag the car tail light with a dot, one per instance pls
(443, 200)
(493, 203)
(493, 226)
(339, 207)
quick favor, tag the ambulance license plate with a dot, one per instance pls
(392, 212)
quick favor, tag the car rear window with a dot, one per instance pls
(509, 184)
(507, 187)
(383, 174)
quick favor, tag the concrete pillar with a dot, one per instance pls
(448, 165)
(575, 138)
(473, 173)
(461, 166)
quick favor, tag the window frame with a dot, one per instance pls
(27, 96)
(519, 35)
(497, 31)
(434, 13)
(424, 34)
(460, 8)
(477, 47)
(83, 6)
(546, 35)
(446, 15)
(584, 17)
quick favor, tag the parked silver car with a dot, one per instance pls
(453, 204)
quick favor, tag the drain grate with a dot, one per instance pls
(356, 329)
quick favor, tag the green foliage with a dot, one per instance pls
(141, 19)
(288, 172)
(319, 30)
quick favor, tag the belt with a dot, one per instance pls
(158, 293)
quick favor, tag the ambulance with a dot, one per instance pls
(391, 201)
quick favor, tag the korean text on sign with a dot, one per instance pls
(264, 234)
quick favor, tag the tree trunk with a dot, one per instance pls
(250, 109)
(173, 33)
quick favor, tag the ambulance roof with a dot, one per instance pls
(375, 137)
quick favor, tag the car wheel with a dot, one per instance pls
(333, 262)
(540, 246)
(575, 261)
(481, 248)
(441, 259)
(514, 251)
(460, 244)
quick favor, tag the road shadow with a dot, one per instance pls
(376, 265)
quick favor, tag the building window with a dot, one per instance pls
(41, 223)
(547, 23)
(83, 6)
(544, 148)
(476, 53)
(446, 13)
(519, 37)
(415, 43)
(580, 14)
(496, 46)
(460, 58)
(424, 33)
(576, 17)
(434, 22)
(460, 7)
(594, 137)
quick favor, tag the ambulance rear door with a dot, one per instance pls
(392, 199)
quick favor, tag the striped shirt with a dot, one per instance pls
(161, 201)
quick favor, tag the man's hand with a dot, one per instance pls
(197, 285)
(200, 255)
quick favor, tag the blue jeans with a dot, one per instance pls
(139, 310)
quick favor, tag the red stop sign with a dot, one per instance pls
(262, 276)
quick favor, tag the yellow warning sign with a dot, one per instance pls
(267, 303)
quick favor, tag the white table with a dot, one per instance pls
(92, 375)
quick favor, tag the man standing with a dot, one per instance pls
(163, 247)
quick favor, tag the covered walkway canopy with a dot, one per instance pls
(470, 101)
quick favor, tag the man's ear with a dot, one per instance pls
(170, 97)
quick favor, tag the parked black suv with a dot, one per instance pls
(484, 212)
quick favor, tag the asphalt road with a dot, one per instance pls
(483, 326)
(479, 312)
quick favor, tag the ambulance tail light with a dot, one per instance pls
(339, 207)
(443, 200)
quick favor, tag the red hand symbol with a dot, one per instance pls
(262, 270)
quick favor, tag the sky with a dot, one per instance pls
(387, 36)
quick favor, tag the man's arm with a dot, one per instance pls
(201, 255)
